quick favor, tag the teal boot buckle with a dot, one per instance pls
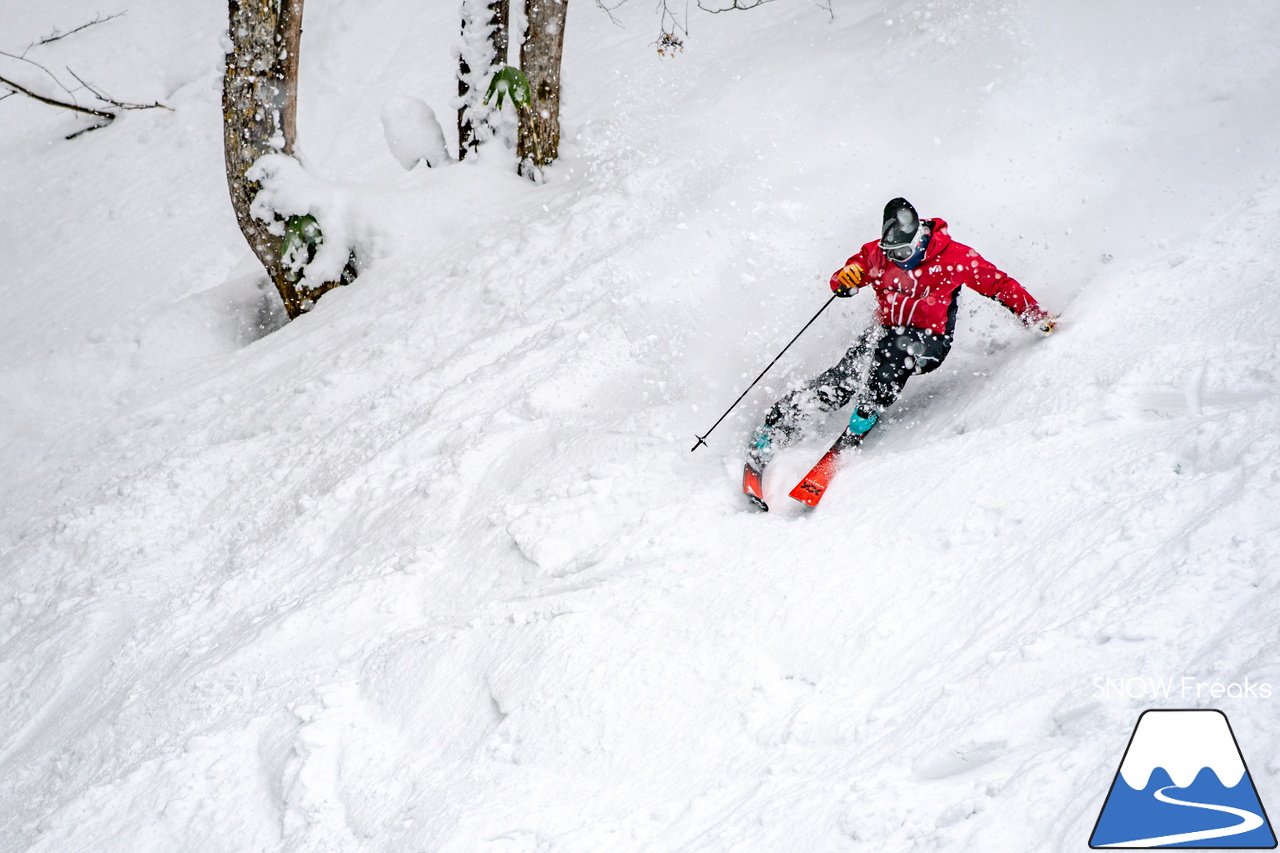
(861, 424)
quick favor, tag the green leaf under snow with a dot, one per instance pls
(508, 81)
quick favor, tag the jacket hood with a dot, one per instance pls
(931, 243)
(939, 238)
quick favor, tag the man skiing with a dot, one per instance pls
(916, 271)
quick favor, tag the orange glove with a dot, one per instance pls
(847, 280)
(1041, 321)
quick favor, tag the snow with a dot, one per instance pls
(287, 191)
(413, 133)
(432, 568)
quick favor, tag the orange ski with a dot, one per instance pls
(753, 487)
(810, 490)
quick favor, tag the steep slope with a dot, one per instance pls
(433, 569)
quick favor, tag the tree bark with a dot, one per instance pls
(540, 61)
(289, 35)
(259, 117)
(468, 132)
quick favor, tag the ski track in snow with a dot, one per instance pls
(433, 569)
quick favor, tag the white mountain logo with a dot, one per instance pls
(1183, 783)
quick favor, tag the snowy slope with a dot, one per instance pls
(433, 569)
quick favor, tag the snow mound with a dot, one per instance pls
(413, 133)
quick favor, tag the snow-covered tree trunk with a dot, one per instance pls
(259, 110)
(540, 61)
(484, 48)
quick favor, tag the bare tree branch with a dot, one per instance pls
(741, 5)
(608, 10)
(105, 117)
(56, 36)
(671, 25)
(66, 105)
(121, 104)
(32, 62)
(85, 130)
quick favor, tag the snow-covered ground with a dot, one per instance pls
(433, 569)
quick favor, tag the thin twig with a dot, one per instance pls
(124, 106)
(737, 4)
(56, 36)
(608, 10)
(667, 15)
(51, 75)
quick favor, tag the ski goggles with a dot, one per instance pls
(900, 252)
(897, 243)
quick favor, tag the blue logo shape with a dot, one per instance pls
(1183, 783)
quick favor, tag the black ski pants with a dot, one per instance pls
(872, 374)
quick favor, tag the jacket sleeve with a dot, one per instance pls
(996, 284)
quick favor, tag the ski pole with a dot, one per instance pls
(702, 438)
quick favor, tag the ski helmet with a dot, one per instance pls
(900, 234)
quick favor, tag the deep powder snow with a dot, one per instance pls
(433, 569)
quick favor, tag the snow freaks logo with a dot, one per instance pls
(1183, 783)
(1185, 687)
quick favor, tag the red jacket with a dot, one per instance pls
(923, 297)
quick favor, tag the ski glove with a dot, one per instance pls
(1040, 321)
(847, 280)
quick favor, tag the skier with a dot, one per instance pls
(916, 271)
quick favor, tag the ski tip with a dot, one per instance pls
(753, 487)
(808, 492)
(811, 489)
